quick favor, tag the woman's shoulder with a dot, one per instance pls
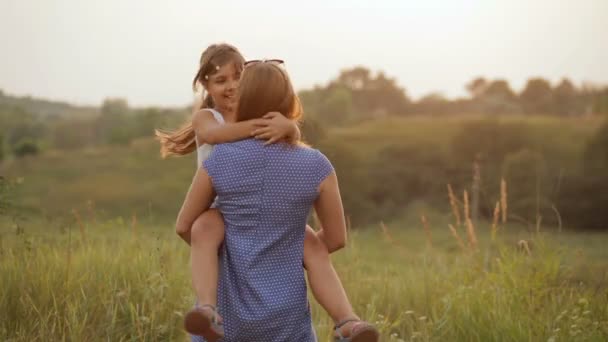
(245, 146)
(312, 153)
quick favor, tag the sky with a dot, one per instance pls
(146, 51)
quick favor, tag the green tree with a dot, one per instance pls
(529, 185)
(1, 147)
(433, 103)
(144, 121)
(537, 97)
(25, 147)
(499, 89)
(113, 124)
(596, 152)
(355, 79)
(312, 130)
(337, 107)
(386, 97)
(18, 124)
(488, 141)
(372, 96)
(73, 133)
(584, 195)
(600, 102)
(493, 97)
(565, 99)
(500, 99)
(477, 87)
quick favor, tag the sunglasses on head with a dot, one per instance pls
(257, 61)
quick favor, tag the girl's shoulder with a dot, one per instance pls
(217, 115)
(204, 113)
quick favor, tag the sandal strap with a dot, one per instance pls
(340, 324)
(213, 309)
(343, 322)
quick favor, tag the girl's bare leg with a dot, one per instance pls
(207, 236)
(323, 279)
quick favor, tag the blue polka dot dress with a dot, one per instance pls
(265, 194)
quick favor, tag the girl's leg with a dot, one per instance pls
(327, 289)
(207, 236)
(323, 279)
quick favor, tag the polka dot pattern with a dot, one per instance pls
(265, 194)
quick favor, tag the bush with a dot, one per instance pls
(25, 147)
(583, 203)
(489, 140)
(529, 186)
(1, 148)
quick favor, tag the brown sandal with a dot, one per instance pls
(199, 322)
(360, 332)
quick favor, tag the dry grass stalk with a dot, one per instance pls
(454, 205)
(350, 240)
(134, 225)
(68, 257)
(495, 220)
(427, 230)
(503, 200)
(475, 189)
(467, 212)
(91, 208)
(83, 235)
(524, 246)
(348, 226)
(471, 235)
(457, 237)
(386, 233)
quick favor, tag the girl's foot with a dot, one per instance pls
(204, 321)
(355, 330)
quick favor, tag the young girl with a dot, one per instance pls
(219, 73)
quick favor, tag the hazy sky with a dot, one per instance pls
(147, 50)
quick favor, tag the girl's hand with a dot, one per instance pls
(275, 127)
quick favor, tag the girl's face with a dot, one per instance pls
(222, 86)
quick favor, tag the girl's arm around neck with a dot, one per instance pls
(209, 131)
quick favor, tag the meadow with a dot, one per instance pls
(88, 250)
(122, 280)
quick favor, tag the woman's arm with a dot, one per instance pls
(198, 199)
(330, 212)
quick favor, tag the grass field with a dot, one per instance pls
(127, 281)
(88, 253)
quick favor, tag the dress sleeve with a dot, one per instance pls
(213, 164)
(323, 167)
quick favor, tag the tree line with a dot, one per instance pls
(358, 94)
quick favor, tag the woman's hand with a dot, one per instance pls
(275, 127)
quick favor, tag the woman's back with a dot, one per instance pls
(265, 195)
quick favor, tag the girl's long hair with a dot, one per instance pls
(183, 140)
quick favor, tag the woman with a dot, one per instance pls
(265, 194)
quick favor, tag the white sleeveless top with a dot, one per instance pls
(203, 151)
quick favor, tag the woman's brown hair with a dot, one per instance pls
(265, 87)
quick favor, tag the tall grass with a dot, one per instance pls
(120, 281)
